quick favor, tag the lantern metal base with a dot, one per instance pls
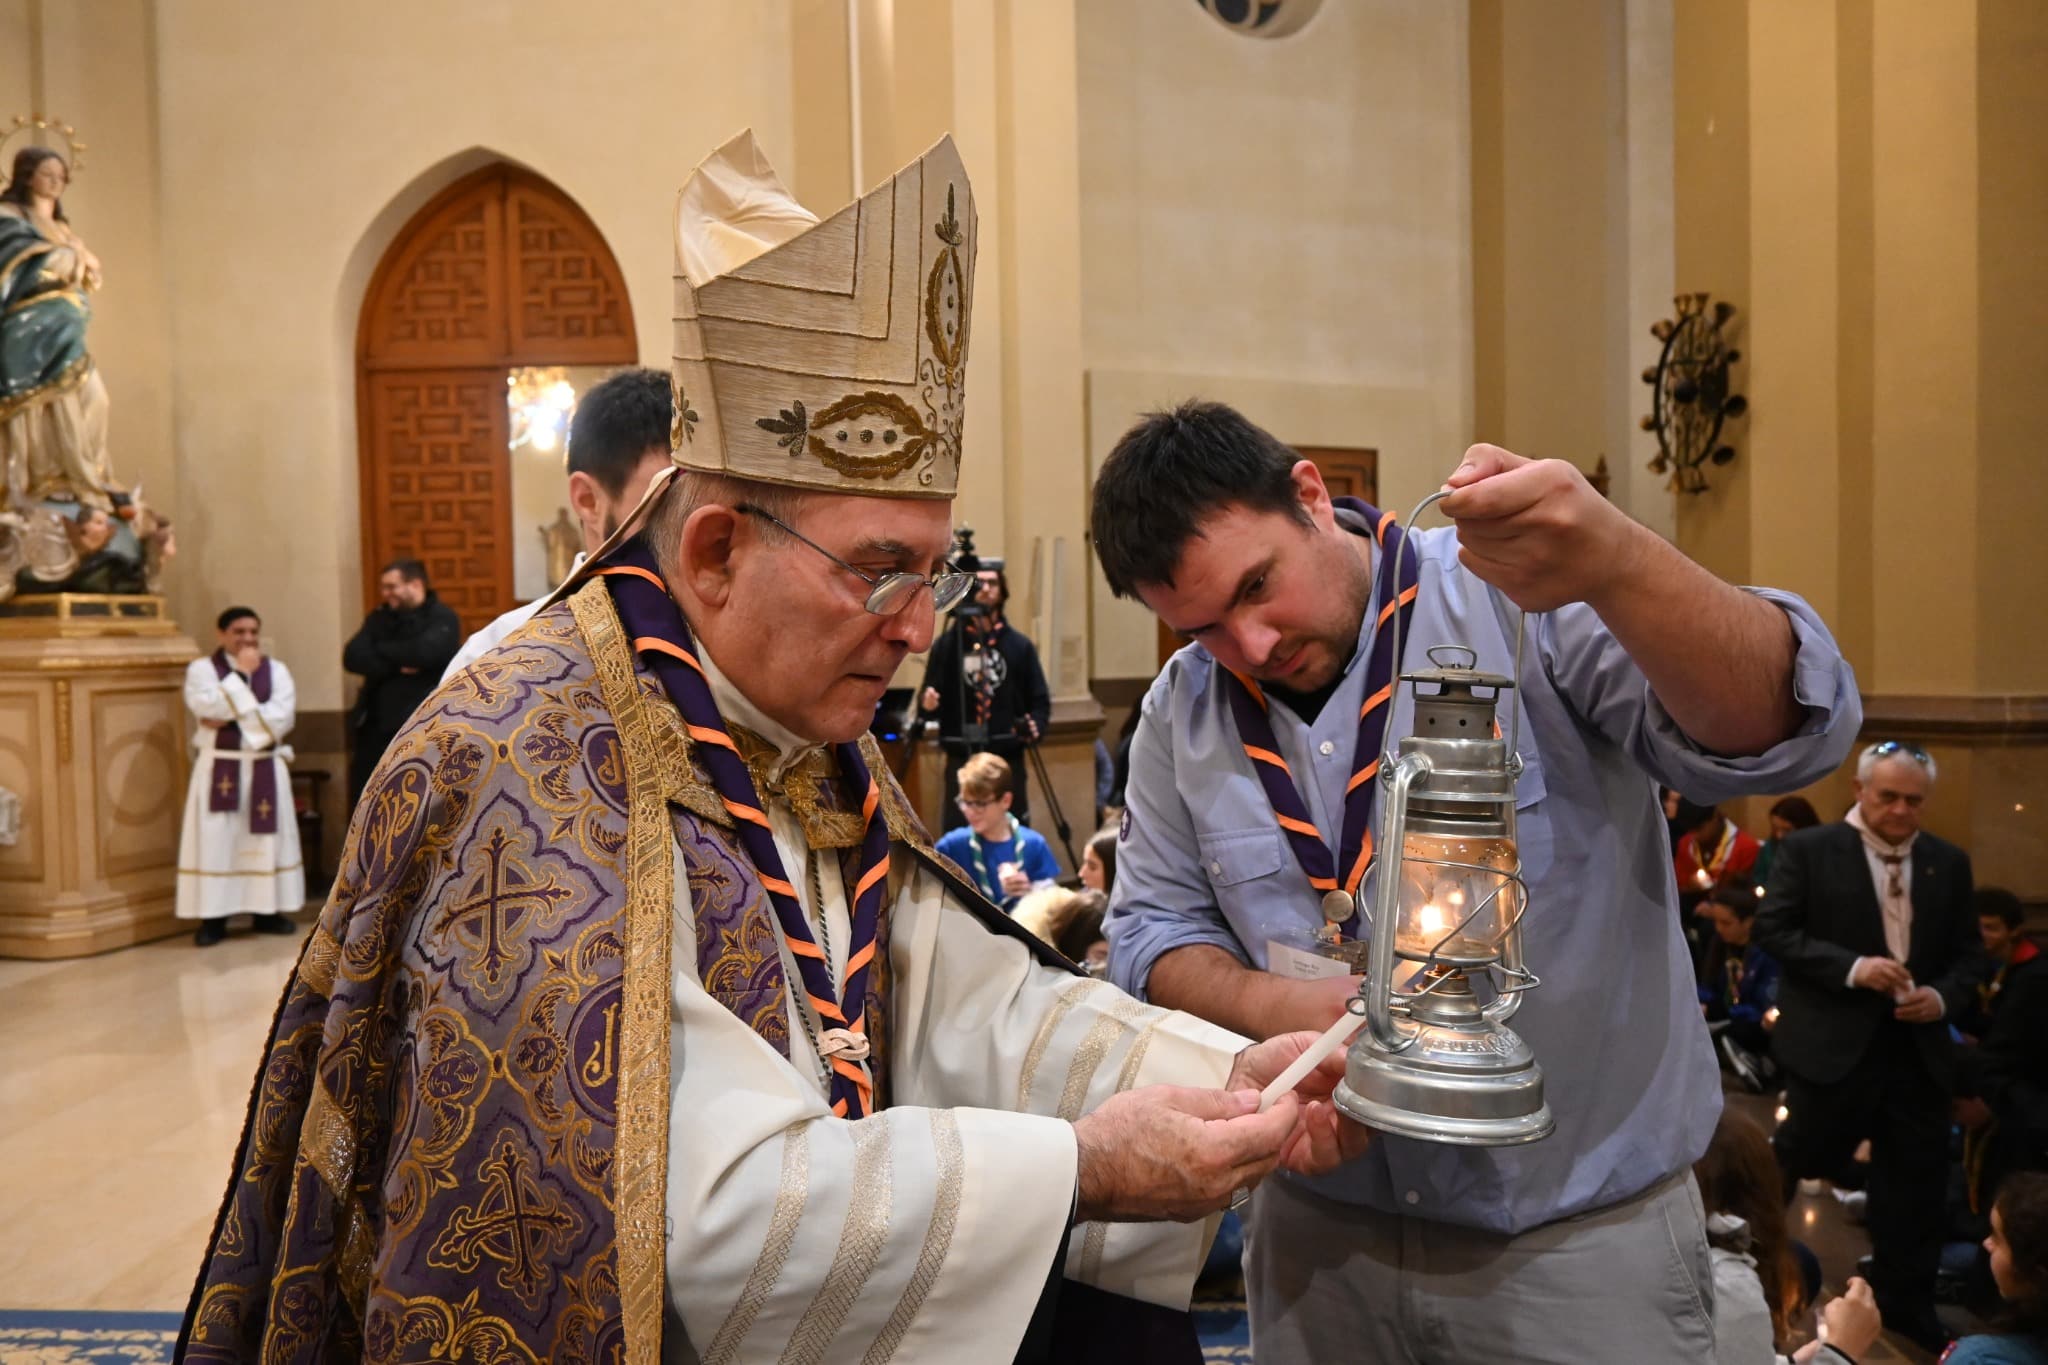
(1471, 1086)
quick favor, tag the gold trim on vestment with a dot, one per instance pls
(71, 377)
(1098, 1233)
(319, 961)
(1121, 1014)
(938, 1237)
(640, 1169)
(279, 872)
(861, 1239)
(790, 1195)
(1069, 998)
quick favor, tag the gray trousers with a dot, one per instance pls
(1329, 1282)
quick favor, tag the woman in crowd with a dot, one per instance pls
(1757, 1286)
(2019, 1263)
(1791, 813)
(1098, 860)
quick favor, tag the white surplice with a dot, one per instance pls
(223, 869)
(925, 1232)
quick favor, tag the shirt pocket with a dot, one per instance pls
(1241, 865)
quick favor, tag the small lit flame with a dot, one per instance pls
(1705, 881)
(1432, 920)
(1783, 1113)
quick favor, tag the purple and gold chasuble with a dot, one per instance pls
(458, 1142)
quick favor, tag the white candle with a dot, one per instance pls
(1311, 1057)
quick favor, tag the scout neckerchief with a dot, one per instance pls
(661, 638)
(985, 636)
(1344, 868)
(1711, 864)
(981, 877)
(224, 790)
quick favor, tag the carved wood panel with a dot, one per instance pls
(439, 297)
(567, 299)
(498, 271)
(444, 476)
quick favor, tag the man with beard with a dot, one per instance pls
(1642, 667)
(400, 649)
(644, 1023)
(618, 442)
(984, 684)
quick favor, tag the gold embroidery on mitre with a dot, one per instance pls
(828, 354)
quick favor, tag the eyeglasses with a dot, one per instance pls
(1899, 747)
(888, 593)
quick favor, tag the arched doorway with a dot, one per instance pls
(498, 271)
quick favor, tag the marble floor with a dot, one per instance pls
(123, 1080)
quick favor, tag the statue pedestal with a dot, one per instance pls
(92, 739)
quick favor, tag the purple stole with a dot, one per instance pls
(224, 788)
(1345, 867)
(661, 638)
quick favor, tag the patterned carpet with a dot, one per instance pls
(1221, 1324)
(28, 1338)
(39, 1338)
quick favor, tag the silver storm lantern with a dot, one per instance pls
(1436, 1061)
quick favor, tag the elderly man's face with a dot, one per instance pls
(1891, 799)
(795, 634)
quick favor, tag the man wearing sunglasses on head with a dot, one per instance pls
(644, 1022)
(1874, 925)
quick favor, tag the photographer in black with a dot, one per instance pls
(984, 686)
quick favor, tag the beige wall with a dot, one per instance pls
(287, 145)
(1572, 232)
(1864, 179)
(1285, 220)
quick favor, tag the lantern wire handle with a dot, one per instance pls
(1518, 978)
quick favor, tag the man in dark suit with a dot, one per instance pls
(1874, 925)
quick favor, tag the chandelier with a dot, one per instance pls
(541, 399)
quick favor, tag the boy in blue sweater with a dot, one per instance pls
(998, 854)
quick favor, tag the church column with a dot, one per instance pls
(1860, 180)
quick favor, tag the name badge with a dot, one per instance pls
(1305, 957)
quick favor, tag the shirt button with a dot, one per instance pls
(1215, 869)
(1326, 748)
(1413, 1197)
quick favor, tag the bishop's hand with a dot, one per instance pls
(1171, 1152)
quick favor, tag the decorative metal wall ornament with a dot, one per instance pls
(1690, 400)
(1261, 18)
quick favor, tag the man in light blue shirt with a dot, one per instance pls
(1641, 668)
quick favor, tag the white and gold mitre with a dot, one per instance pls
(823, 354)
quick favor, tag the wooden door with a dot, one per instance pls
(500, 270)
(445, 483)
(1348, 472)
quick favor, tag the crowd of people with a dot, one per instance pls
(1853, 969)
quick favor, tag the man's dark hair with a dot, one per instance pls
(234, 614)
(1171, 472)
(411, 570)
(1996, 901)
(1738, 894)
(616, 424)
(1692, 814)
